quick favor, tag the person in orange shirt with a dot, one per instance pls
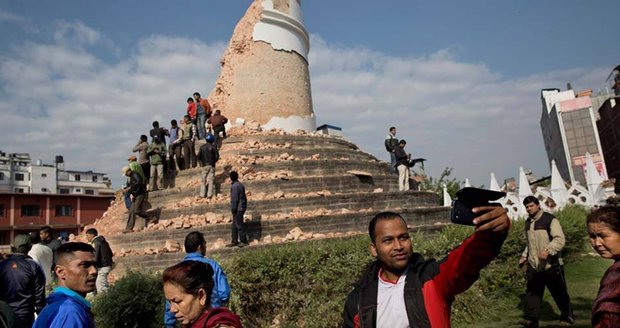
(203, 112)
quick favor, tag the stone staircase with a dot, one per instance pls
(323, 185)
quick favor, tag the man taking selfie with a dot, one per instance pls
(402, 289)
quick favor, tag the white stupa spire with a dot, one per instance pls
(559, 193)
(447, 200)
(494, 185)
(524, 190)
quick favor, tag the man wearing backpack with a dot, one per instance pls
(208, 156)
(542, 263)
(391, 143)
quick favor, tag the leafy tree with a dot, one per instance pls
(436, 184)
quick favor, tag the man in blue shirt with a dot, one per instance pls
(196, 248)
(76, 269)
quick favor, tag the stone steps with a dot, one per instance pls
(341, 184)
(293, 140)
(418, 218)
(301, 168)
(333, 202)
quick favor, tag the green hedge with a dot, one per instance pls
(305, 284)
(136, 301)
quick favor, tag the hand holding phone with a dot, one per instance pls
(467, 199)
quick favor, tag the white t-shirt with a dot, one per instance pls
(44, 256)
(391, 311)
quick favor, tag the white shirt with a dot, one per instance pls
(391, 311)
(44, 256)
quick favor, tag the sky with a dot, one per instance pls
(460, 80)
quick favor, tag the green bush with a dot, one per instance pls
(305, 284)
(136, 301)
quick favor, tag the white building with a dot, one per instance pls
(568, 124)
(19, 175)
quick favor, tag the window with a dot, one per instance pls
(2, 210)
(78, 190)
(94, 178)
(19, 190)
(43, 189)
(77, 177)
(1, 175)
(64, 210)
(89, 191)
(19, 177)
(30, 210)
(64, 191)
(43, 175)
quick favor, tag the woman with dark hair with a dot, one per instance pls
(604, 231)
(188, 286)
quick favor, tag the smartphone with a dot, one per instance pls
(469, 198)
(462, 214)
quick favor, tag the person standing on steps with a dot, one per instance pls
(391, 143)
(238, 206)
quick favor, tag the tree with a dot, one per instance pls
(436, 184)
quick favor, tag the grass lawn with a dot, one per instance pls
(582, 275)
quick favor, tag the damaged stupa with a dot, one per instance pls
(264, 76)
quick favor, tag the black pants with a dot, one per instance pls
(174, 150)
(555, 281)
(238, 228)
(136, 209)
(189, 154)
(146, 168)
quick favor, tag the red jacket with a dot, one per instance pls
(217, 316)
(430, 285)
(191, 110)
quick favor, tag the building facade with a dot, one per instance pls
(19, 175)
(568, 124)
(26, 212)
(609, 132)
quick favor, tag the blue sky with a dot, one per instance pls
(461, 80)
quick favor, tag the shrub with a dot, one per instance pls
(136, 300)
(305, 284)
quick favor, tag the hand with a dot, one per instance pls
(522, 260)
(543, 255)
(495, 219)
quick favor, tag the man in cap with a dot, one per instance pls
(22, 283)
(138, 192)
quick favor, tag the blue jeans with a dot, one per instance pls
(201, 121)
(393, 164)
(127, 200)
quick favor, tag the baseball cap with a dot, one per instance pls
(125, 169)
(22, 243)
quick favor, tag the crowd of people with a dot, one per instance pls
(399, 289)
(147, 171)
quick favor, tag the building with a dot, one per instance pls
(568, 124)
(19, 175)
(330, 130)
(25, 212)
(609, 127)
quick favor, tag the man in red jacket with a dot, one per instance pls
(401, 289)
